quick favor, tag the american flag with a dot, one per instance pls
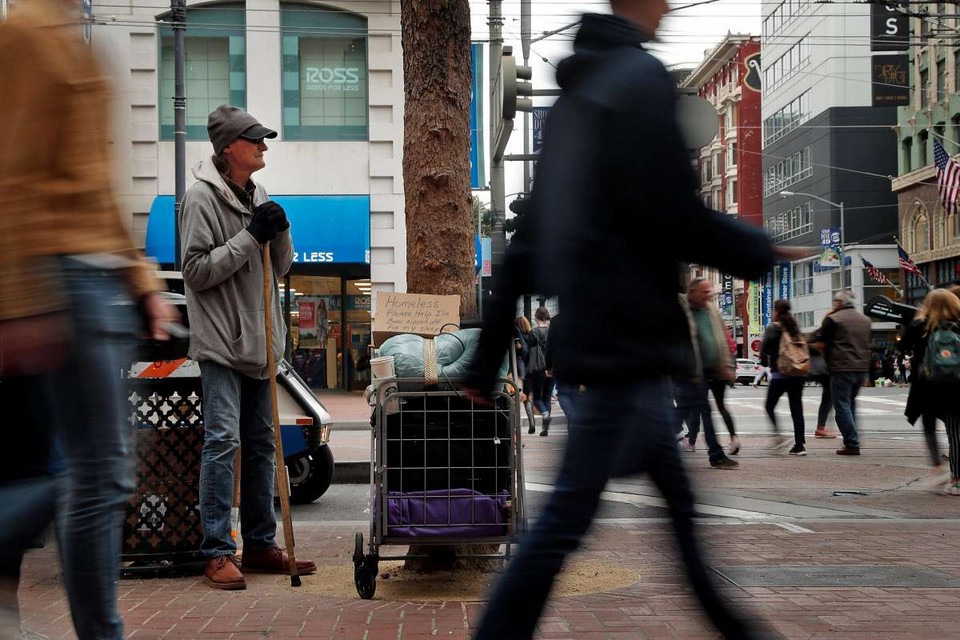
(948, 177)
(906, 263)
(876, 274)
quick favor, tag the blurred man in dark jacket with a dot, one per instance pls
(846, 335)
(613, 161)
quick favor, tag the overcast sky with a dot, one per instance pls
(683, 38)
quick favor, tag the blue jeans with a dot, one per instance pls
(541, 391)
(88, 401)
(844, 386)
(693, 405)
(236, 413)
(621, 430)
(568, 395)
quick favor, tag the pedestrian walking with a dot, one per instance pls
(845, 333)
(538, 371)
(612, 156)
(763, 371)
(778, 334)
(74, 295)
(820, 373)
(521, 332)
(568, 393)
(224, 221)
(932, 400)
(717, 370)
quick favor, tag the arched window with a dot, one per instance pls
(216, 66)
(952, 228)
(324, 73)
(921, 233)
(909, 226)
(938, 231)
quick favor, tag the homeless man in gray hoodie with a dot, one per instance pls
(225, 219)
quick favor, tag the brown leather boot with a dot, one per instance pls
(223, 572)
(273, 560)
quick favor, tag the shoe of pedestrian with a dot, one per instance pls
(724, 463)
(821, 432)
(798, 450)
(781, 444)
(734, 447)
(544, 433)
(546, 424)
(532, 428)
(273, 560)
(936, 478)
(687, 445)
(952, 489)
(848, 451)
(223, 572)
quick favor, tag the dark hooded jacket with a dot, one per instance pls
(613, 213)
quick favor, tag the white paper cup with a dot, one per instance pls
(382, 367)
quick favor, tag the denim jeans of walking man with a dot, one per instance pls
(620, 431)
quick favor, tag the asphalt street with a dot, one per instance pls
(880, 414)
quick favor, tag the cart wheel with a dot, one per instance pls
(365, 578)
(357, 550)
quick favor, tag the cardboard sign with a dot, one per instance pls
(421, 314)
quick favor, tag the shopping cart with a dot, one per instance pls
(445, 471)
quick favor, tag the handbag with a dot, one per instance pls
(537, 360)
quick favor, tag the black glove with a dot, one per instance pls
(261, 227)
(275, 215)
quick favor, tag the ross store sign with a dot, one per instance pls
(331, 78)
(889, 27)
(889, 79)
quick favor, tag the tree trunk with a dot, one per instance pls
(436, 150)
(436, 175)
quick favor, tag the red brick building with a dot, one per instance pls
(731, 166)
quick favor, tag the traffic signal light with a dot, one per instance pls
(516, 83)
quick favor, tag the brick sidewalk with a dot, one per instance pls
(895, 524)
(659, 606)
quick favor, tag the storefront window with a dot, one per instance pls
(324, 74)
(216, 67)
(325, 324)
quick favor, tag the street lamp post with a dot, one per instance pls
(843, 242)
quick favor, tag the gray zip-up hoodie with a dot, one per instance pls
(223, 273)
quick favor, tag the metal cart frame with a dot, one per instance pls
(436, 423)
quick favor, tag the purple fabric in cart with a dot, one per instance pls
(446, 513)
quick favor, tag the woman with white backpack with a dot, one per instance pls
(785, 351)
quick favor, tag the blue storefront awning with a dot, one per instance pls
(326, 229)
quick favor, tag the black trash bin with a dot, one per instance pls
(162, 530)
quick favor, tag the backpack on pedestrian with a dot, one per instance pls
(941, 361)
(793, 356)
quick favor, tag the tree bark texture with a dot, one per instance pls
(436, 179)
(436, 150)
